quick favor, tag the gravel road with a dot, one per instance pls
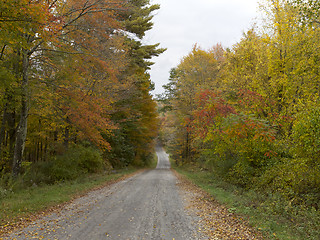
(146, 206)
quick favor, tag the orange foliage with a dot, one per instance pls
(88, 115)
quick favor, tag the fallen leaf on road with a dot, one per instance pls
(216, 221)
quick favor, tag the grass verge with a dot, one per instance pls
(269, 214)
(20, 207)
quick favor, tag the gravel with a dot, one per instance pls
(148, 205)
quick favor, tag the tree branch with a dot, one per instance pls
(35, 47)
(2, 51)
(58, 51)
(316, 21)
(87, 9)
(52, 4)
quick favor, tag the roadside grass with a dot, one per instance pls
(275, 218)
(23, 203)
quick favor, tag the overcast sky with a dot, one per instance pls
(179, 24)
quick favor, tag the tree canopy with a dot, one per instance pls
(75, 71)
(249, 114)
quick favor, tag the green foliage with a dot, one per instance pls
(76, 161)
(6, 77)
(78, 82)
(295, 179)
(139, 16)
(220, 165)
(247, 141)
(266, 211)
(6, 183)
(40, 173)
(122, 152)
(27, 201)
(306, 134)
(238, 144)
(250, 114)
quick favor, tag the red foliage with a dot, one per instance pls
(211, 108)
(249, 100)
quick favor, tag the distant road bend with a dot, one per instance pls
(146, 206)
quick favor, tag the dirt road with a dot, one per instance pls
(146, 206)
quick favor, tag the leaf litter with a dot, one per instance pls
(215, 221)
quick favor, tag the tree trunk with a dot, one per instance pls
(45, 150)
(7, 131)
(66, 138)
(2, 130)
(21, 134)
(20, 139)
(11, 132)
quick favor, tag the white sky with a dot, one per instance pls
(179, 24)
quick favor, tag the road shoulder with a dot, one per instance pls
(215, 220)
(18, 224)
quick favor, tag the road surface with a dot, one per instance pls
(146, 206)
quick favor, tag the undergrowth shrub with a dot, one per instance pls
(296, 180)
(302, 220)
(241, 148)
(39, 173)
(219, 165)
(5, 184)
(122, 151)
(242, 174)
(306, 134)
(76, 161)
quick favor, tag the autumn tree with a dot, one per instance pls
(308, 10)
(134, 109)
(250, 115)
(73, 60)
(197, 71)
(26, 24)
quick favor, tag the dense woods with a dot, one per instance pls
(74, 88)
(250, 114)
(75, 99)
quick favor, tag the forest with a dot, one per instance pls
(250, 113)
(75, 99)
(74, 88)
